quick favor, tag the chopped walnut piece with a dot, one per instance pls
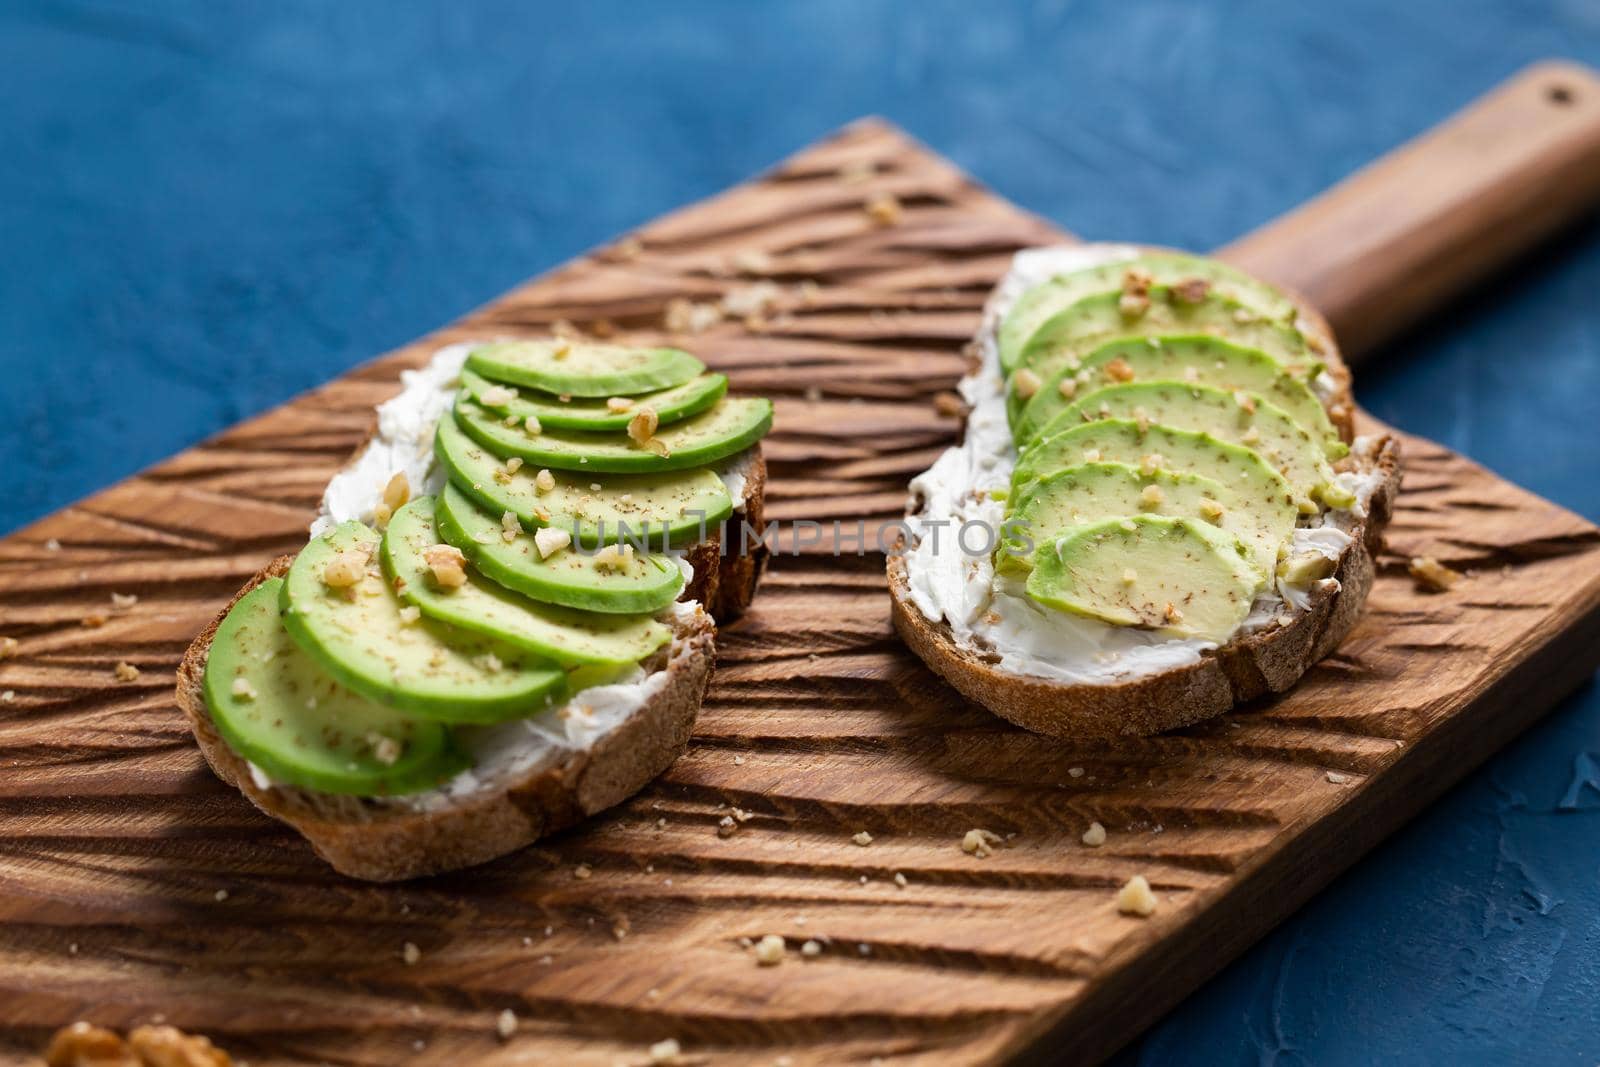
(665, 1051)
(497, 396)
(769, 950)
(243, 689)
(686, 316)
(85, 1045)
(748, 300)
(1151, 463)
(544, 481)
(1244, 400)
(533, 426)
(811, 948)
(613, 558)
(1252, 436)
(505, 1024)
(884, 209)
(447, 565)
(94, 620)
(1067, 387)
(582, 872)
(618, 404)
(410, 614)
(167, 1046)
(752, 261)
(1152, 496)
(1210, 510)
(510, 526)
(8, 647)
(1137, 280)
(1191, 290)
(950, 405)
(1136, 898)
(1171, 613)
(857, 171)
(549, 540)
(1091, 455)
(127, 672)
(642, 427)
(1120, 370)
(1432, 576)
(1095, 835)
(410, 953)
(979, 843)
(348, 568)
(398, 491)
(123, 601)
(1129, 576)
(1132, 305)
(386, 750)
(1025, 383)
(514, 464)
(863, 839)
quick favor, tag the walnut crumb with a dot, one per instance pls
(386, 750)
(1171, 613)
(582, 872)
(863, 839)
(410, 614)
(1067, 387)
(1132, 305)
(614, 558)
(127, 672)
(1129, 576)
(544, 481)
(618, 404)
(533, 426)
(8, 647)
(900, 879)
(1136, 897)
(979, 843)
(505, 1024)
(94, 620)
(949, 405)
(1095, 835)
(242, 689)
(123, 601)
(347, 568)
(447, 565)
(884, 209)
(665, 1051)
(642, 427)
(811, 947)
(1192, 290)
(410, 953)
(769, 950)
(1432, 576)
(7, 695)
(549, 540)
(220, 895)
(1152, 496)
(1120, 370)
(1025, 383)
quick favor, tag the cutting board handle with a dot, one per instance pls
(1399, 238)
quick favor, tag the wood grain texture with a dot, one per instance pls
(819, 725)
(1429, 220)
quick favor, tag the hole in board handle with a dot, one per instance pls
(1560, 95)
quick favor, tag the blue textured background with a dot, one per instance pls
(206, 208)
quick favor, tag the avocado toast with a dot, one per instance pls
(1179, 517)
(493, 632)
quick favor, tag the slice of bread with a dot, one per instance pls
(397, 838)
(384, 840)
(1268, 659)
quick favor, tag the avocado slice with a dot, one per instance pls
(571, 368)
(560, 634)
(1071, 334)
(680, 505)
(1092, 492)
(1238, 418)
(670, 405)
(434, 671)
(1198, 358)
(279, 710)
(1179, 576)
(643, 584)
(1038, 305)
(730, 427)
(1252, 482)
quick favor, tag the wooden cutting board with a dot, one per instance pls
(134, 886)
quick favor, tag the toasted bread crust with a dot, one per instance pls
(385, 842)
(1266, 661)
(1269, 660)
